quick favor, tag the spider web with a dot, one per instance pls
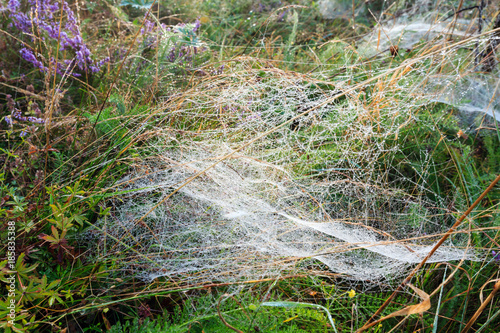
(319, 191)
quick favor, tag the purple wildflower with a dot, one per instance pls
(197, 24)
(36, 120)
(183, 41)
(496, 256)
(54, 7)
(13, 5)
(16, 114)
(147, 27)
(281, 16)
(19, 116)
(29, 56)
(47, 20)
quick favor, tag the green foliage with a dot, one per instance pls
(141, 4)
(64, 216)
(30, 290)
(201, 316)
(303, 310)
(55, 182)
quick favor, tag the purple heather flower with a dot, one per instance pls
(182, 51)
(19, 116)
(36, 120)
(496, 255)
(13, 5)
(54, 7)
(29, 56)
(69, 37)
(197, 24)
(282, 15)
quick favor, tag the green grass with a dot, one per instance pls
(57, 182)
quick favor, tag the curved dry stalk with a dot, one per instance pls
(368, 324)
(222, 318)
(483, 305)
(409, 310)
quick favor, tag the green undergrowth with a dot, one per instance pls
(201, 316)
(57, 177)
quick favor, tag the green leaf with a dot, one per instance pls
(8, 153)
(59, 300)
(55, 233)
(22, 269)
(53, 284)
(80, 219)
(49, 239)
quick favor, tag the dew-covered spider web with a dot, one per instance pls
(471, 91)
(328, 190)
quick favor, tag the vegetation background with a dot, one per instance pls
(89, 90)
